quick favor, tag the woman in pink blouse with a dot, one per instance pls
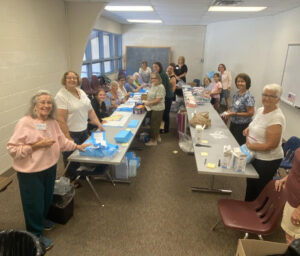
(35, 147)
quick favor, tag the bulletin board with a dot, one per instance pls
(136, 54)
(291, 76)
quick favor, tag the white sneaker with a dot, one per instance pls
(151, 143)
(159, 139)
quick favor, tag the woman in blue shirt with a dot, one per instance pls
(242, 108)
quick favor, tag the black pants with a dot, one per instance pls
(166, 115)
(237, 132)
(79, 138)
(266, 171)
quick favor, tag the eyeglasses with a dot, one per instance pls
(71, 78)
(45, 102)
(269, 96)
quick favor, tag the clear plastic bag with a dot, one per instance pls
(186, 143)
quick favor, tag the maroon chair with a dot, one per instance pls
(259, 217)
(95, 84)
(86, 87)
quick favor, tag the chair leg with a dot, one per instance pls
(260, 237)
(94, 190)
(214, 227)
(246, 236)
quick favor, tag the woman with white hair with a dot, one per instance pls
(136, 81)
(35, 147)
(264, 137)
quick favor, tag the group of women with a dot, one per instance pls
(52, 126)
(59, 125)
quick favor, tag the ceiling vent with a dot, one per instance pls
(226, 2)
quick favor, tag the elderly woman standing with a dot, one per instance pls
(155, 101)
(242, 108)
(291, 214)
(73, 111)
(35, 147)
(226, 80)
(264, 137)
(157, 68)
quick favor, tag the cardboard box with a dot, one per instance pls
(252, 247)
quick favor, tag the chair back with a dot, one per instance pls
(269, 206)
(197, 81)
(289, 149)
(86, 87)
(95, 83)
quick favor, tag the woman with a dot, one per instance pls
(101, 104)
(155, 101)
(215, 91)
(226, 83)
(122, 92)
(73, 111)
(145, 72)
(207, 84)
(181, 69)
(172, 76)
(157, 68)
(136, 81)
(242, 108)
(180, 72)
(130, 86)
(264, 136)
(35, 147)
(113, 96)
(291, 214)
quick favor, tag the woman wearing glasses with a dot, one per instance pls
(35, 148)
(73, 111)
(155, 101)
(264, 137)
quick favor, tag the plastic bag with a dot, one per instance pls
(249, 153)
(201, 118)
(17, 243)
(185, 143)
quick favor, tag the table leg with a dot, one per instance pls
(94, 190)
(211, 189)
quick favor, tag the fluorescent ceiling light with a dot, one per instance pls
(113, 8)
(144, 21)
(236, 8)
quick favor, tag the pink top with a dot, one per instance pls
(29, 131)
(215, 87)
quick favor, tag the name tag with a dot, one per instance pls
(237, 102)
(41, 127)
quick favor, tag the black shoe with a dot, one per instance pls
(161, 131)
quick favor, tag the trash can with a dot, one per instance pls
(19, 243)
(62, 206)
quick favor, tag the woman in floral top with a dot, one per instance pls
(242, 108)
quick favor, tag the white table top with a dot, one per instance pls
(110, 133)
(215, 152)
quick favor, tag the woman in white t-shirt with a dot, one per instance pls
(264, 137)
(73, 111)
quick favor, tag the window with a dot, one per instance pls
(103, 54)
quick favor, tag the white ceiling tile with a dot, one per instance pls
(193, 12)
